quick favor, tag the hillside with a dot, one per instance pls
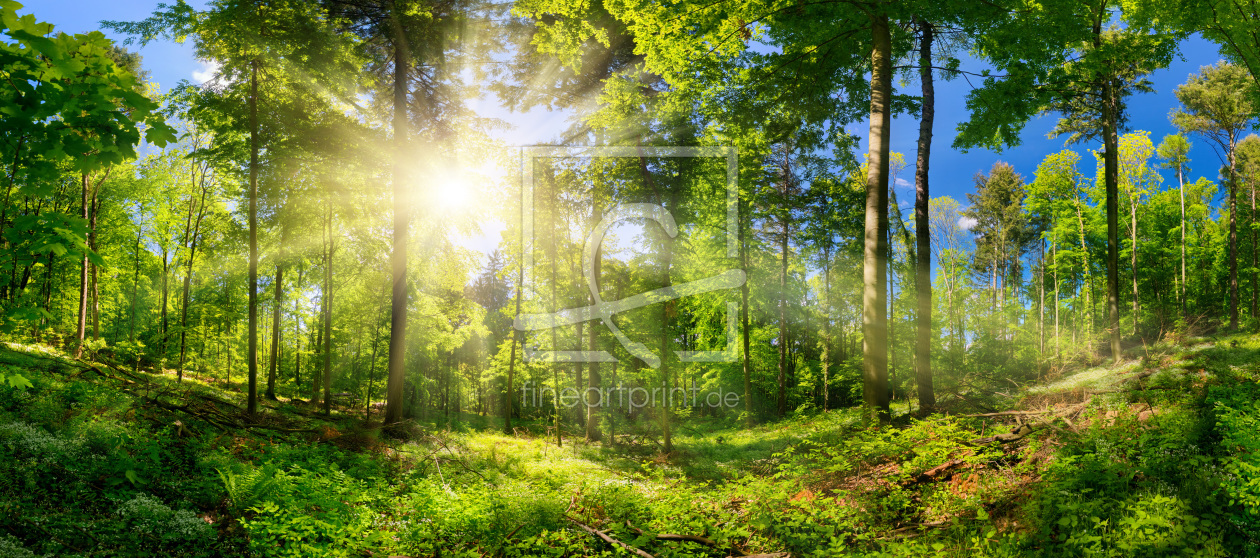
(1156, 457)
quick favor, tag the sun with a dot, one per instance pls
(458, 189)
(453, 195)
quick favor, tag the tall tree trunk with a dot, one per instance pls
(328, 297)
(83, 283)
(743, 316)
(781, 400)
(923, 259)
(135, 281)
(1111, 180)
(826, 344)
(96, 298)
(1133, 259)
(1233, 241)
(1181, 188)
(191, 241)
(275, 333)
(592, 376)
(1255, 271)
(875, 249)
(516, 340)
(252, 356)
(402, 221)
(297, 331)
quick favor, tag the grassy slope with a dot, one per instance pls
(1160, 456)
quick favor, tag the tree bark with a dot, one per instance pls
(781, 400)
(328, 298)
(875, 249)
(1111, 156)
(135, 281)
(275, 333)
(1233, 241)
(402, 221)
(83, 283)
(252, 356)
(746, 333)
(923, 261)
(1181, 187)
(592, 376)
(191, 241)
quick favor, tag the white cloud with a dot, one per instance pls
(206, 72)
(966, 223)
(902, 183)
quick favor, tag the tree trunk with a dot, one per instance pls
(874, 260)
(1133, 258)
(402, 220)
(328, 297)
(1111, 179)
(923, 259)
(83, 284)
(135, 281)
(781, 400)
(192, 253)
(297, 332)
(1255, 271)
(96, 298)
(516, 340)
(275, 333)
(746, 333)
(252, 356)
(1181, 187)
(592, 376)
(1233, 242)
(826, 344)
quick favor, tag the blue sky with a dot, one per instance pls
(951, 170)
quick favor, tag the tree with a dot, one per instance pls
(1174, 150)
(1217, 104)
(1002, 231)
(1249, 176)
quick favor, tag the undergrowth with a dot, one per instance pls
(1163, 460)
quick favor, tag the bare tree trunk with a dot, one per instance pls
(874, 307)
(781, 401)
(328, 297)
(1181, 187)
(275, 333)
(191, 241)
(516, 340)
(826, 345)
(402, 221)
(1133, 258)
(1233, 242)
(746, 333)
(1111, 179)
(83, 283)
(592, 376)
(252, 356)
(96, 294)
(135, 281)
(923, 259)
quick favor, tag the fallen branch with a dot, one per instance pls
(604, 537)
(688, 538)
(1009, 413)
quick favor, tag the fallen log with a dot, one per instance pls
(604, 537)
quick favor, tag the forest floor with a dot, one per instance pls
(1156, 456)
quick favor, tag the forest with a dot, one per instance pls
(324, 301)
